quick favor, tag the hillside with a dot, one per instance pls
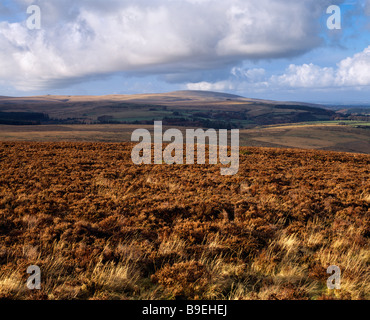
(113, 118)
(185, 108)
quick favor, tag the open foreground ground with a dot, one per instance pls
(100, 227)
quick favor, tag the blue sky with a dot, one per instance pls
(269, 49)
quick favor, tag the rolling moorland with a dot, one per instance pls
(185, 108)
(113, 118)
(100, 227)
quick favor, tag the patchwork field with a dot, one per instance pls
(100, 227)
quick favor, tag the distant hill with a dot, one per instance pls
(262, 122)
(186, 108)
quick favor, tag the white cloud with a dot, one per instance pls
(269, 28)
(240, 79)
(209, 86)
(89, 38)
(352, 72)
(355, 71)
(305, 76)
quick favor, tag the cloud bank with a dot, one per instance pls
(91, 38)
(353, 72)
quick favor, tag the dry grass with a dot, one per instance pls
(102, 228)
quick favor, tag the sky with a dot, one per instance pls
(267, 49)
